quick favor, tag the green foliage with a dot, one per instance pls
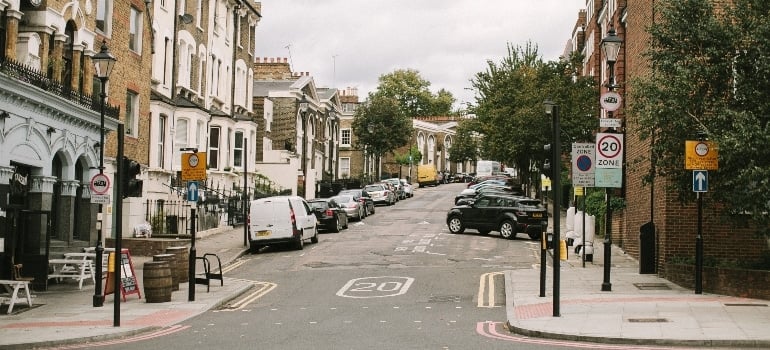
(380, 125)
(711, 75)
(403, 158)
(413, 94)
(509, 106)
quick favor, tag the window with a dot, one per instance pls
(103, 16)
(345, 137)
(344, 167)
(181, 134)
(213, 153)
(161, 139)
(132, 111)
(135, 30)
(238, 149)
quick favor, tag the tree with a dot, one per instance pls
(464, 147)
(413, 94)
(381, 126)
(711, 78)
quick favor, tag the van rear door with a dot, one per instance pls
(270, 214)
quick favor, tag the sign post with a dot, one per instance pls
(193, 170)
(700, 156)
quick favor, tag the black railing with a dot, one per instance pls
(34, 77)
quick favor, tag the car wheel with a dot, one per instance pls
(314, 239)
(508, 229)
(300, 243)
(456, 225)
(485, 231)
(337, 226)
(373, 210)
(345, 225)
(391, 203)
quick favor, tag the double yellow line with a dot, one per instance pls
(262, 289)
(486, 296)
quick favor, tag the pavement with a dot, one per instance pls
(640, 309)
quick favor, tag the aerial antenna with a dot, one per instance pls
(288, 47)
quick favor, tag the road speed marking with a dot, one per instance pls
(375, 287)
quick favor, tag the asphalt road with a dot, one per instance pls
(396, 280)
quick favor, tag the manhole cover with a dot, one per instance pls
(647, 320)
(652, 286)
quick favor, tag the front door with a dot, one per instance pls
(27, 242)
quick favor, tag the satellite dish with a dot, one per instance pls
(186, 18)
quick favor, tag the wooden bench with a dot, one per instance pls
(77, 266)
(11, 289)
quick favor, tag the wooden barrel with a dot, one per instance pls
(157, 281)
(182, 262)
(171, 259)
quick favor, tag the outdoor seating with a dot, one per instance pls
(77, 266)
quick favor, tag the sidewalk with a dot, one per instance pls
(640, 309)
(65, 315)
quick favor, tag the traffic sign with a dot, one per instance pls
(100, 184)
(610, 101)
(701, 155)
(194, 166)
(609, 151)
(192, 191)
(700, 181)
(583, 164)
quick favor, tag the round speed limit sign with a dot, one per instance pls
(609, 151)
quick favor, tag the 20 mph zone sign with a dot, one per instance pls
(609, 151)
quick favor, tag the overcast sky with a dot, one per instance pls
(351, 43)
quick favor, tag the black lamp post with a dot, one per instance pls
(552, 109)
(104, 61)
(304, 106)
(610, 49)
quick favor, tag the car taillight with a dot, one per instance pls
(329, 212)
(521, 213)
(293, 220)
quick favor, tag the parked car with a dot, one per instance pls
(381, 194)
(426, 175)
(471, 193)
(506, 214)
(281, 219)
(399, 188)
(408, 189)
(363, 197)
(353, 208)
(330, 215)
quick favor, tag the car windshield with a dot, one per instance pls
(374, 188)
(530, 204)
(343, 199)
(318, 204)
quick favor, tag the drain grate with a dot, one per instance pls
(726, 304)
(652, 286)
(445, 299)
(647, 320)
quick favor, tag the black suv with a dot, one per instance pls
(494, 212)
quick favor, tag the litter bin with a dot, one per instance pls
(647, 259)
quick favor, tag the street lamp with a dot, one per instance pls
(104, 61)
(304, 106)
(610, 48)
(552, 109)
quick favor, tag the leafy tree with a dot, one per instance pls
(464, 145)
(410, 156)
(710, 77)
(381, 126)
(413, 94)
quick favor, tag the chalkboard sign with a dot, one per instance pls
(128, 282)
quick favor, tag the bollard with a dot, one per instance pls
(562, 250)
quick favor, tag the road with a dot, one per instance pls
(396, 280)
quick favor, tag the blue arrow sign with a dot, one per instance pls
(192, 191)
(700, 181)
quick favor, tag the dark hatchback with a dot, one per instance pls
(494, 212)
(329, 214)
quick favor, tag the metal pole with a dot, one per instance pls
(98, 299)
(556, 184)
(192, 257)
(118, 228)
(699, 249)
(543, 262)
(584, 228)
(606, 285)
(245, 191)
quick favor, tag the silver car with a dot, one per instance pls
(381, 194)
(408, 189)
(353, 208)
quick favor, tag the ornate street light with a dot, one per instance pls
(104, 61)
(611, 49)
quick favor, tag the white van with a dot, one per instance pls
(281, 219)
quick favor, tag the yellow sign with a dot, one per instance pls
(545, 183)
(194, 166)
(579, 191)
(701, 155)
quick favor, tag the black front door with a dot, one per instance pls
(26, 242)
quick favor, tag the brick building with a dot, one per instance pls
(50, 121)
(675, 224)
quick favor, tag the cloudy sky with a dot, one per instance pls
(351, 43)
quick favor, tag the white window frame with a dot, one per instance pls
(181, 134)
(135, 30)
(104, 7)
(162, 121)
(132, 113)
(214, 146)
(344, 167)
(238, 151)
(349, 137)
